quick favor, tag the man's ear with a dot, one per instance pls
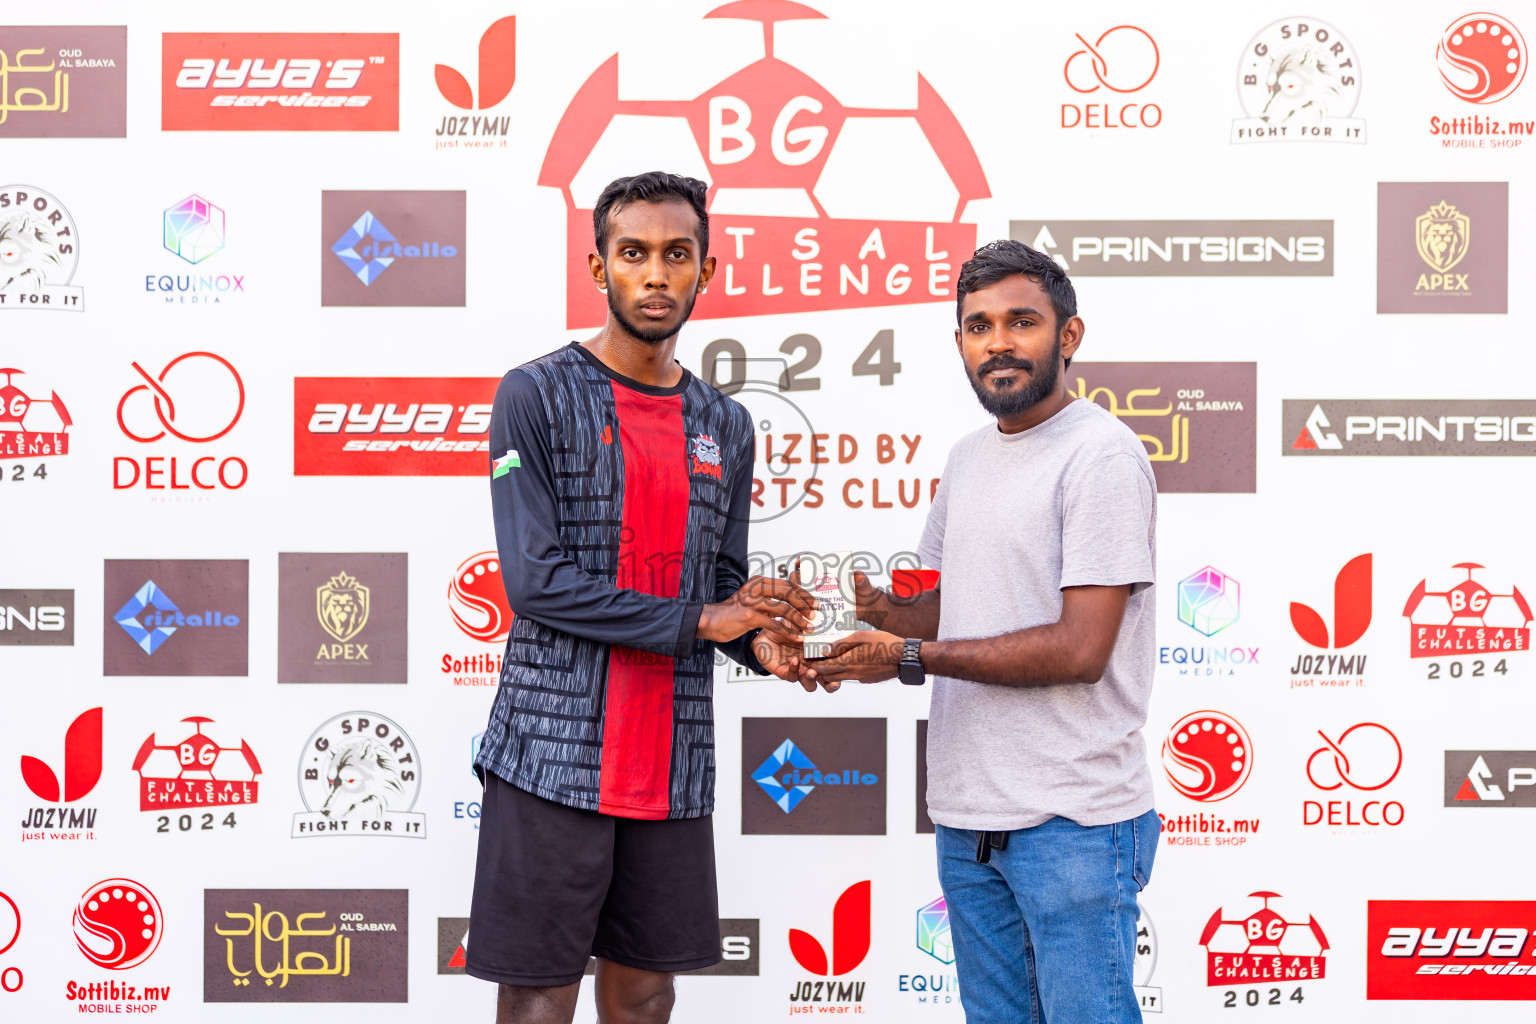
(958, 347)
(598, 271)
(1072, 336)
(706, 272)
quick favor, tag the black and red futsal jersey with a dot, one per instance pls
(621, 510)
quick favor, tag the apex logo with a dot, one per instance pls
(498, 69)
(82, 762)
(1473, 777)
(850, 936)
(1351, 608)
(1316, 435)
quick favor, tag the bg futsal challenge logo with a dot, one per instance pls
(770, 137)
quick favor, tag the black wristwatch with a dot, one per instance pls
(910, 669)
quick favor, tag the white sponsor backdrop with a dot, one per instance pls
(999, 68)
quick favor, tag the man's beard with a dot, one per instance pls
(646, 332)
(1037, 387)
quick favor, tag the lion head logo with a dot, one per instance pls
(1303, 84)
(1443, 234)
(29, 252)
(342, 606)
(364, 780)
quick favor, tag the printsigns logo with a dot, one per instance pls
(1183, 248)
(1466, 619)
(1207, 756)
(358, 249)
(359, 774)
(63, 81)
(850, 937)
(39, 251)
(210, 639)
(342, 618)
(392, 426)
(1262, 946)
(1123, 59)
(1197, 420)
(1482, 58)
(789, 168)
(778, 776)
(1490, 778)
(1449, 949)
(497, 70)
(31, 428)
(195, 771)
(305, 945)
(452, 944)
(37, 618)
(118, 924)
(1298, 81)
(1442, 247)
(1394, 426)
(280, 81)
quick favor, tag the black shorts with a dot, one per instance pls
(555, 885)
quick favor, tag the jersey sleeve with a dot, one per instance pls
(731, 561)
(543, 581)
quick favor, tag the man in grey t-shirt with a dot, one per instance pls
(1039, 641)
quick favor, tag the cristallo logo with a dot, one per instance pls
(798, 217)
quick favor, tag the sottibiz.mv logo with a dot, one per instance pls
(804, 210)
(392, 426)
(850, 945)
(1450, 949)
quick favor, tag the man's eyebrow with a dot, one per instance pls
(981, 314)
(684, 240)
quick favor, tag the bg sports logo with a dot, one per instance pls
(392, 426)
(791, 172)
(1450, 949)
(280, 81)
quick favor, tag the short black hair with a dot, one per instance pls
(651, 187)
(1004, 258)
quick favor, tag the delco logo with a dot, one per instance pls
(280, 81)
(798, 227)
(392, 426)
(1450, 949)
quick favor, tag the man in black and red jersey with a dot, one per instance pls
(621, 487)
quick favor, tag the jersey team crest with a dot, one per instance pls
(705, 456)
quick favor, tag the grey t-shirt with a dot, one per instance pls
(1017, 517)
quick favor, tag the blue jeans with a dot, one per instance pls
(1046, 932)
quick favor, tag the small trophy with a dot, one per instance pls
(829, 578)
